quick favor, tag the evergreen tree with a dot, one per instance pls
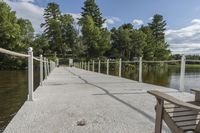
(69, 34)
(95, 38)
(158, 31)
(138, 42)
(91, 36)
(149, 48)
(104, 42)
(91, 9)
(52, 28)
(158, 27)
(121, 40)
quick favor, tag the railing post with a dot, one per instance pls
(45, 68)
(182, 76)
(81, 64)
(41, 69)
(120, 67)
(57, 62)
(30, 74)
(140, 70)
(88, 65)
(93, 65)
(107, 66)
(49, 66)
(85, 65)
(52, 65)
(99, 67)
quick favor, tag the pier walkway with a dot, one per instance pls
(73, 100)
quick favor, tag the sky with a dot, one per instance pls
(182, 17)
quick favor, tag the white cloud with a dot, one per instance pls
(137, 22)
(151, 18)
(185, 40)
(76, 16)
(111, 21)
(27, 10)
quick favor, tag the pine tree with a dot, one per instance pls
(52, 28)
(91, 35)
(158, 31)
(91, 9)
(149, 48)
(69, 33)
(95, 38)
(158, 27)
(138, 42)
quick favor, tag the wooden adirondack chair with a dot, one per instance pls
(180, 117)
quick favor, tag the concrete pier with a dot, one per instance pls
(72, 100)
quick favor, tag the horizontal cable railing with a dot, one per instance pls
(5, 51)
(193, 61)
(165, 61)
(47, 65)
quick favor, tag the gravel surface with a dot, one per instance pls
(77, 101)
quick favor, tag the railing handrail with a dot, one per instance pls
(48, 66)
(5, 51)
(9, 52)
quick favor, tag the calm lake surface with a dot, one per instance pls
(13, 85)
(13, 93)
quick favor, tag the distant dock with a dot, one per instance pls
(73, 100)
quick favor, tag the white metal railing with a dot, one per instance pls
(83, 65)
(48, 67)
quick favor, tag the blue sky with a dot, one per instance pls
(182, 17)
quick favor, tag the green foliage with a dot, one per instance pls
(26, 33)
(158, 27)
(60, 31)
(9, 29)
(123, 41)
(40, 45)
(91, 35)
(138, 43)
(52, 27)
(130, 42)
(158, 31)
(149, 48)
(96, 40)
(91, 9)
(9, 36)
(69, 34)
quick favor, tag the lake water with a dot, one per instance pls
(13, 93)
(13, 85)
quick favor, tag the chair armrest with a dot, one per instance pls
(197, 94)
(168, 98)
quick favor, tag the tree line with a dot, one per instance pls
(85, 38)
